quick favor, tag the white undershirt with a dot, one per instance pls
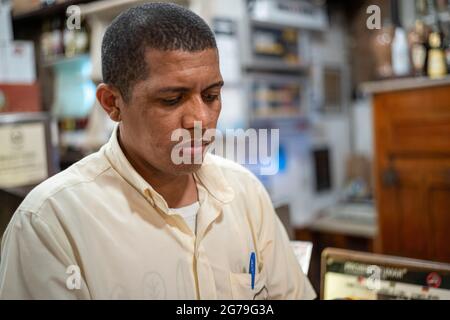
(189, 214)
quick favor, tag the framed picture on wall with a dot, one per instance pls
(27, 155)
(331, 88)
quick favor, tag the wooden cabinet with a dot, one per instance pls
(412, 171)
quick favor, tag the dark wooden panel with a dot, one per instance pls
(412, 172)
(414, 121)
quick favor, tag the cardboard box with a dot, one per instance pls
(20, 98)
(17, 64)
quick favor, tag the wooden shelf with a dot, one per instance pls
(279, 119)
(279, 116)
(277, 67)
(281, 24)
(402, 84)
(111, 8)
(47, 11)
(63, 59)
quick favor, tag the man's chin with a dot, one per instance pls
(182, 169)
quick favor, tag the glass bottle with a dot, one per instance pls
(400, 53)
(437, 66)
(418, 48)
(421, 8)
(381, 45)
(446, 43)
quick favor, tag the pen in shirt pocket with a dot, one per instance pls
(252, 269)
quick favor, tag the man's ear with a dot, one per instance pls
(111, 101)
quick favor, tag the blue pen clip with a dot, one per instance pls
(252, 268)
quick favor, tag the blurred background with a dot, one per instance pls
(359, 90)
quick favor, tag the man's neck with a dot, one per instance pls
(178, 190)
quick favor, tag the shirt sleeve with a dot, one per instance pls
(285, 278)
(36, 262)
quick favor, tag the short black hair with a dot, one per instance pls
(161, 26)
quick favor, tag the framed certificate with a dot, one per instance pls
(26, 152)
(349, 275)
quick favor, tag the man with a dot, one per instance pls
(127, 222)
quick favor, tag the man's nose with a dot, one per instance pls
(196, 111)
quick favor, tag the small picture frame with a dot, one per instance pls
(27, 155)
(332, 87)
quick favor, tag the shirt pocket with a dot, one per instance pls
(241, 287)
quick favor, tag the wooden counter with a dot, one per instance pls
(385, 86)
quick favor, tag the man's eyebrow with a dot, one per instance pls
(172, 89)
(185, 89)
(214, 85)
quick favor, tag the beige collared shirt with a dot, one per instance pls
(98, 230)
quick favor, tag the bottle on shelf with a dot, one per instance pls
(382, 43)
(401, 64)
(418, 48)
(57, 38)
(437, 66)
(69, 43)
(75, 41)
(400, 53)
(446, 44)
(46, 40)
(421, 8)
(82, 40)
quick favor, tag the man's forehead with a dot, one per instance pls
(182, 67)
(179, 59)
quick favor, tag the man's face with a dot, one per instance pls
(182, 88)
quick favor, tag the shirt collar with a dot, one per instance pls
(209, 175)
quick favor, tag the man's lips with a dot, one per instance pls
(193, 148)
(193, 144)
